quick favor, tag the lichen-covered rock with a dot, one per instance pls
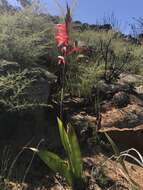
(127, 117)
(139, 91)
(106, 91)
(121, 99)
(24, 110)
(133, 79)
(136, 81)
(40, 87)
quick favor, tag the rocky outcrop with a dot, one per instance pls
(133, 80)
(128, 117)
(139, 90)
(24, 110)
(116, 93)
(39, 89)
(124, 126)
(121, 99)
(121, 107)
(126, 138)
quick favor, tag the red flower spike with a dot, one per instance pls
(61, 36)
(62, 39)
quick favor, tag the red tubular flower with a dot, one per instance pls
(61, 36)
(61, 60)
(62, 39)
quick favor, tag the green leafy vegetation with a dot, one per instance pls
(72, 168)
(108, 55)
(25, 37)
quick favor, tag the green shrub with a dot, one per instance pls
(21, 90)
(25, 37)
(106, 51)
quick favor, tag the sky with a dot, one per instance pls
(91, 11)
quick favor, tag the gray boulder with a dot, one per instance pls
(139, 91)
(135, 80)
(106, 91)
(131, 79)
(121, 99)
(41, 83)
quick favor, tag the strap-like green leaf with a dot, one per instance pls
(75, 157)
(114, 146)
(71, 146)
(64, 137)
(55, 163)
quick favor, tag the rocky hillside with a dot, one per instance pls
(103, 92)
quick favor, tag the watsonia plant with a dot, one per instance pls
(72, 168)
